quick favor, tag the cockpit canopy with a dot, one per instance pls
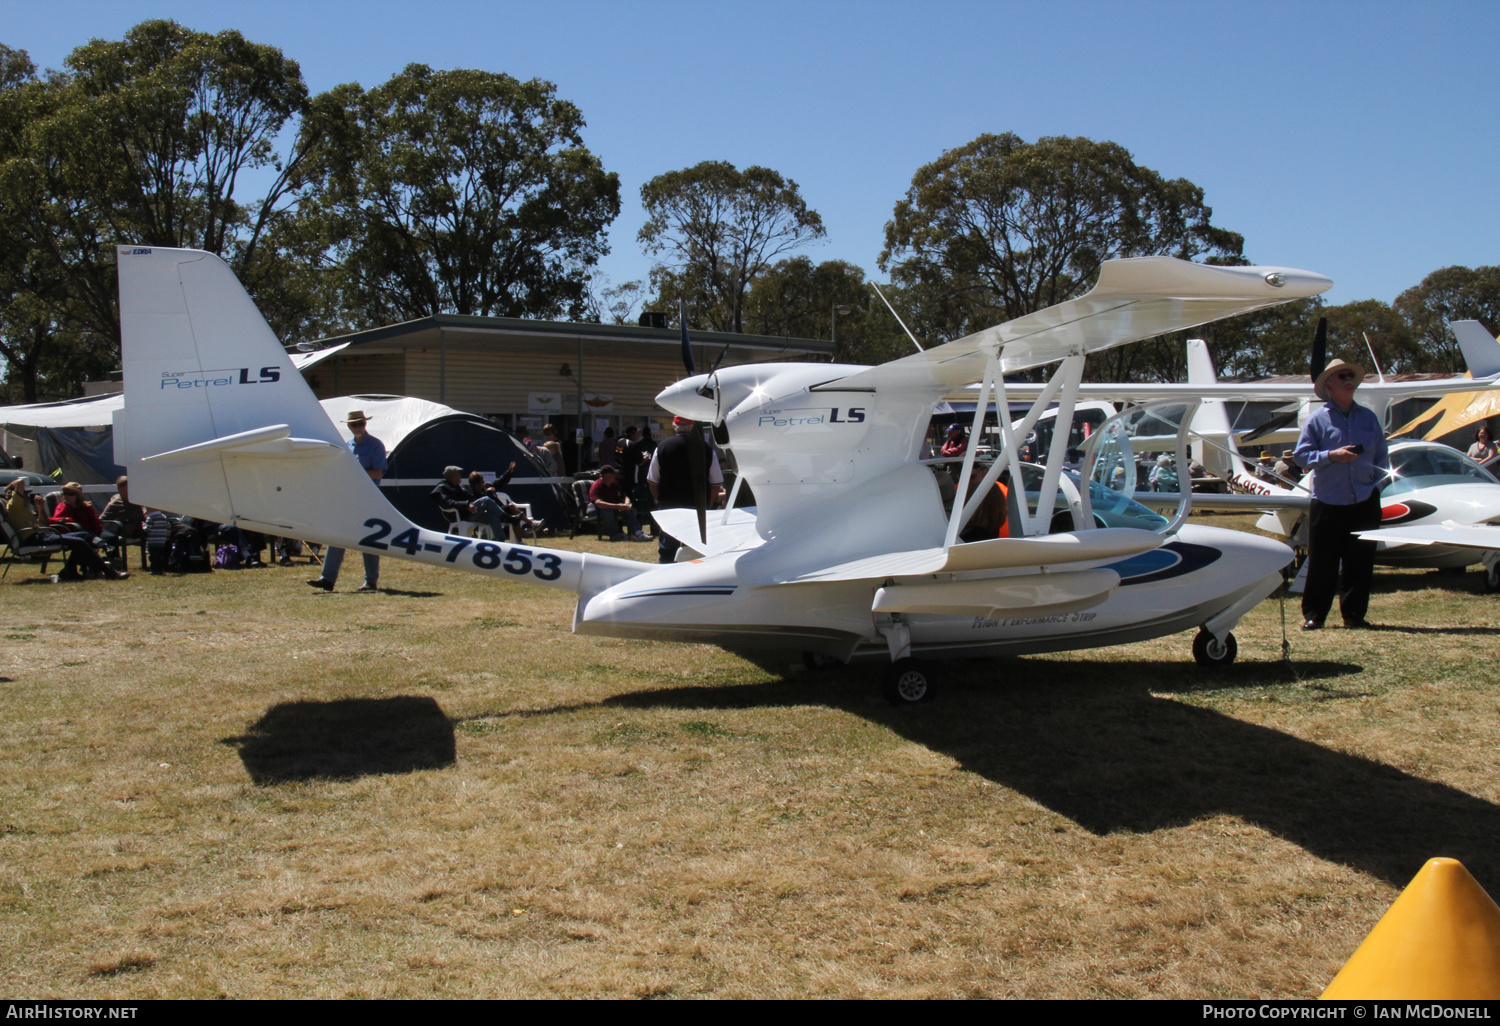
(1428, 464)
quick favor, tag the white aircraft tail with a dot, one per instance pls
(219, 425)
(1216, 450)
(1481, 351)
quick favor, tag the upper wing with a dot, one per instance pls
(1135, 298)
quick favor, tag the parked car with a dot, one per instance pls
(9, 472)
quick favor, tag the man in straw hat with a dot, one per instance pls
(370, 451)
(1345, 444)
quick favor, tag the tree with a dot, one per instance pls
(45, 355)
(1450, 294)
(796, 299)
(1001, 227)
(146, 140)
(460, 191)
(720, 228)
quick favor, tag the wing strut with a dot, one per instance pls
(961, 511)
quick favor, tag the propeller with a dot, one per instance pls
(1319, 350)
(698, 456)
(687, 345)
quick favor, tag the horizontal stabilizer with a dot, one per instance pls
(992, 598)
(996, 554)
(268, 441)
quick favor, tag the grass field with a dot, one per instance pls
(234, 785)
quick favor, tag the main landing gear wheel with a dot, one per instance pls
(1208, 651)
(908, 681)
(1492, 578)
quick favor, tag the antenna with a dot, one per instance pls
(1379, 374)
(894, 314)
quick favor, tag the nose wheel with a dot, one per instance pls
(908, 681)
(1211, 652)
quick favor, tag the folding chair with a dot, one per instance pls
(26, 552)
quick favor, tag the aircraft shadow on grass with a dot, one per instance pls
(1112, 756)
(347, 738)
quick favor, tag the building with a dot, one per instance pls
(522, 374)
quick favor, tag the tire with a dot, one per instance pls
(1209, 653)
(908, 682)
(1492, 579)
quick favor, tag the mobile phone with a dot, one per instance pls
(1358, 450)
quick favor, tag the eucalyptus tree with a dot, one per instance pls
(156, 140)
(719, 228)
(1000, 227)
(459, 191)
(1450, 294)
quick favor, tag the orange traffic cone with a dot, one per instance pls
(1439, 941)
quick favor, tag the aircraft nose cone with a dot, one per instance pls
(683, 400)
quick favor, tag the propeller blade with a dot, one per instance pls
(722, 353)
(698, 475)
(1319, 350)
(687, 345)
(1271, 426)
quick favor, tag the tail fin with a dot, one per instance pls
(218, 424)
(1211, 428)
(201, 365)
(1481, 351)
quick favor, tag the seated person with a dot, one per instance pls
(449, 494)
(493, 508)
(990, 518)
(609, 498)
(75, 513)
(123, 519)
(24, 511)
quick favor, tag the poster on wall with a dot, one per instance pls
(543, 402)
(598, 405)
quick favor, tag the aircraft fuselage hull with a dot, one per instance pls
(1200, 573)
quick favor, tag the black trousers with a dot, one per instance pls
(1332, 547)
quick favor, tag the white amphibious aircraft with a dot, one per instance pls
(849, 552)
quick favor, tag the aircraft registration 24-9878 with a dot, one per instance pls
(852, 550)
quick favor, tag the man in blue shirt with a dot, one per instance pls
(370, 451)
(1345, 443)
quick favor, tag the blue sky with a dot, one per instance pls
(1353, 139)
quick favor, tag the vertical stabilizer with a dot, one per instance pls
(1211, 430)
(219, 425)
(1481, 351)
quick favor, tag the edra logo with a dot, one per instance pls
(852, 415)
(220, 378)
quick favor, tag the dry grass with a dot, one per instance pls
(232, 785)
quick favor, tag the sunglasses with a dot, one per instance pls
(1344, 376)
